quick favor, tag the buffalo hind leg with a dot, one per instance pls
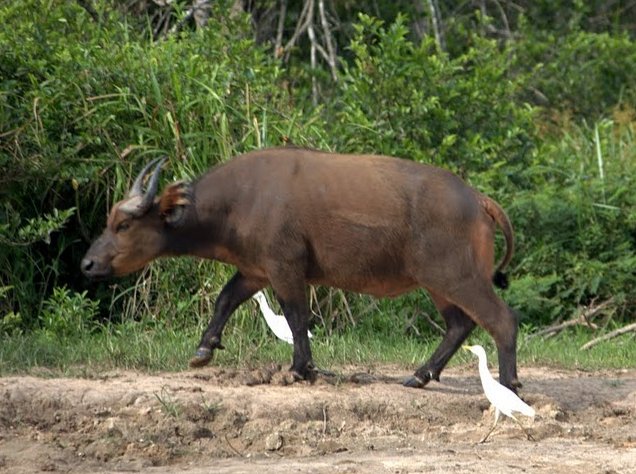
(235, 292)
(481, 303)
(458, 327)
(296, 311)
(287, 279)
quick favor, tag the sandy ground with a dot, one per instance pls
(233, 421)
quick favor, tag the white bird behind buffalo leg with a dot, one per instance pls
(276, 322)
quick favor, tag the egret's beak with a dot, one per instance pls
(466, 347)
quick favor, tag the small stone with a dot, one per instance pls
(274, 442)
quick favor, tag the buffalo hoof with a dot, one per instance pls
(308, 375)
(201, 358)
(324, 373)
(308, 372)
(415, 382)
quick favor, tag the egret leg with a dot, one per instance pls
(528, 435)
(493, 426)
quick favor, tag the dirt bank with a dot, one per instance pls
(216, 420)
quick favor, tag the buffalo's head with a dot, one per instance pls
(137, 229)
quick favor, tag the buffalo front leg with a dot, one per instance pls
(235, 292)
(458, 327)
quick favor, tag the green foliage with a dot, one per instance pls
(37, 229)
(410, 100)
(11, 323)
(580, 73)
(67, 314)
(20, 268)
(576, 227)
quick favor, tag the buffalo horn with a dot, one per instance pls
(144, 201)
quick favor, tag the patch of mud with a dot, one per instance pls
(227, 420)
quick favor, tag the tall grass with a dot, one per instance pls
(576, 224)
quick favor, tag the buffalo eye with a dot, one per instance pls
(122, 226)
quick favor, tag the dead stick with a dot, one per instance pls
(433, 324)
(232, 447)
(609, 335)
(583, 318)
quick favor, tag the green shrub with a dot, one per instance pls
(581, 74)
(576, 227)
(406, 99)
(84, 105)
(67, 314)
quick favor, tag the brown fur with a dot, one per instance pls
(288, 217)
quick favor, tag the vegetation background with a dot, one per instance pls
(532, 102)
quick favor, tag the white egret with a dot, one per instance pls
(276, 322)
(502, 398)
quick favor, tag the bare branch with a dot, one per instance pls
(582, 319)
(301, 26)
(436, 21)
(504, 19)
(609, 335)
(278, 47)
(199, 12)
(410, 323)
(433, 324)
(312, 51)
(331, 58)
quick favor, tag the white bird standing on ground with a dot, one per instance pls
(502, 398)
(276, 322)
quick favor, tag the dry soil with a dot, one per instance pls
(251, 420)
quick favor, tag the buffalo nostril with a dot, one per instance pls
(86, 265)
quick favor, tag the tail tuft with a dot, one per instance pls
(500, 280)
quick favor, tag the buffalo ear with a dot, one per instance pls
(174, 201)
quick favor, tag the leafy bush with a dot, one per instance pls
(84, 105)
(576, 228)
(410, 100)
(580, 73)
(68, 314)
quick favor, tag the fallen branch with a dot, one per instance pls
(433, 324)
(410, 324)
(609, 335)
(236, 451)
(583, 319)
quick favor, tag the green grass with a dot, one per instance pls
(564, 350)
(136, 346)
